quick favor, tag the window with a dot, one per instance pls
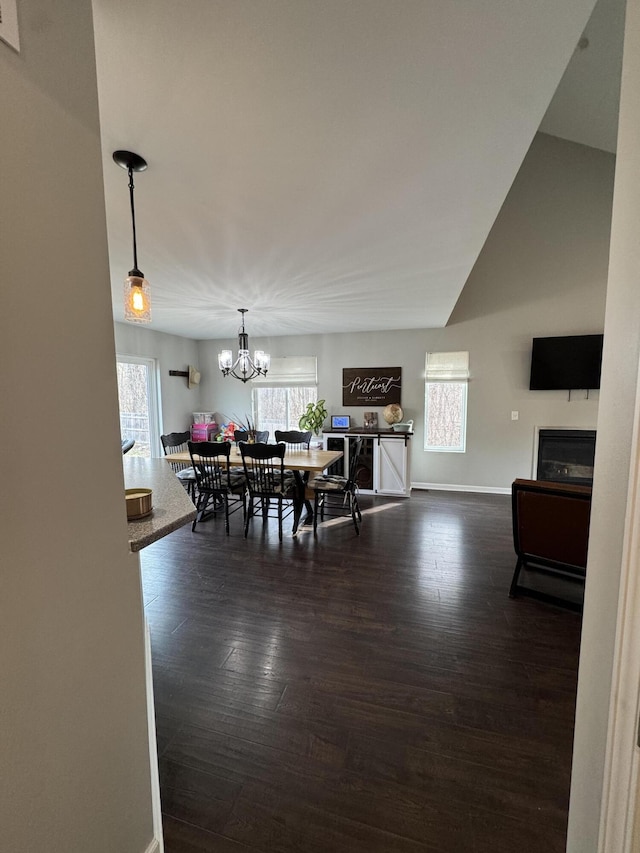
(138, 402)
(445, 401)
(281, 397)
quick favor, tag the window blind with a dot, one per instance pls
(447, 366)
(291, 370)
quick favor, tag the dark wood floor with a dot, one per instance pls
(360, 694)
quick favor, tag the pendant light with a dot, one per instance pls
(244, 367)
(137, 296)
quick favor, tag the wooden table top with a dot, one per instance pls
(311, 460)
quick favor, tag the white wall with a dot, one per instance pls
(172, 353)
(615, 422)
(74, 748)
(542, 272)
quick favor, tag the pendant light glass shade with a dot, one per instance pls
(137, 299)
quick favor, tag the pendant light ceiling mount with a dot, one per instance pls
(128, 160)
(137, 301)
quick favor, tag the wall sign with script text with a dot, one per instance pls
(371, 386)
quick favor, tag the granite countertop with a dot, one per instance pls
(172, 506)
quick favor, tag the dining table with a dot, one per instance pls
(311, 461)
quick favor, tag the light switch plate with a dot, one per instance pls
(9, 23)
(515, 416)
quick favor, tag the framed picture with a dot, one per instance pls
(371, 420)
(371, 386)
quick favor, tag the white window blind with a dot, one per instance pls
(291, 370)
(447, 367)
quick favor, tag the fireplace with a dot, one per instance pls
(566, 455)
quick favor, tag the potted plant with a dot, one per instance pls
(313, 417)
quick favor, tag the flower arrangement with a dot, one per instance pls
(226, 431)
(247, 425)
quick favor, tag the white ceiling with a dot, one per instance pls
(330, 165)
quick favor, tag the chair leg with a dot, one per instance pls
(316, 509)
(226, 513)
(200, 508)
(297, 513)
(513, 590)
(248, 516)
(354, 512)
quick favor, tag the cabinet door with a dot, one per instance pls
(366, 472)
(393, 469)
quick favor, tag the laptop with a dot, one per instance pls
(340, 422)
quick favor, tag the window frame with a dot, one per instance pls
(265, 386)
(447, 368)
(439, 449)
(153, 397)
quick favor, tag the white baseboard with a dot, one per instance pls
(154, 847)
(450, 487)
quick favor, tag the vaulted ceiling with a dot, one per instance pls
(332, 165)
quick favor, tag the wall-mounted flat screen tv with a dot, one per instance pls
(561, 363)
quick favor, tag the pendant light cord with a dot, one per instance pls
(133, 220)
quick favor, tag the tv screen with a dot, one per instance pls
(340, 421)
(563, 363)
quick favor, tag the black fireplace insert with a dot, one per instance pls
(566, 455)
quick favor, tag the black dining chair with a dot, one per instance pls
(297, 440)
(294, 439)
(262, 436)
(269, 487)
(217, 483)
(337, 496)
(177, 442)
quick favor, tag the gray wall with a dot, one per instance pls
(172, 353)
(74, 745)
(616, 419)
(542, 272)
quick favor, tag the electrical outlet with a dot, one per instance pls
(515, 416)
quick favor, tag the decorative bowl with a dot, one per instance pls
(406, 427)
(139, 503)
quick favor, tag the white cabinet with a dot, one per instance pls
(383, 466)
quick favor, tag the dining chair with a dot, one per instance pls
(297, 440)
(269, 487)
(177, 442)
(294, 438)
(216, 481)
(337, 496)
(262, 436)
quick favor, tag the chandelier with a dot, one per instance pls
(244, 367)
(137, 296)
